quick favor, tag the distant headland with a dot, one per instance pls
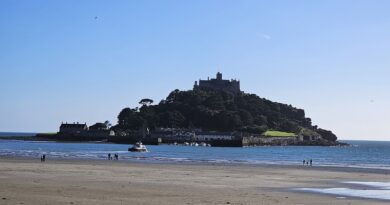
(215, 111)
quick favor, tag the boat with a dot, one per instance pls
(138, 147)
(194, 144)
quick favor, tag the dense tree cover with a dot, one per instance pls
(217, 111)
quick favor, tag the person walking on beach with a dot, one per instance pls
(109, 156)
(43, 158)
(116, 156)
(311, 162)
(303, 162)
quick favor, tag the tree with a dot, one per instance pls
(107, 124)
(130, 119)
(215, 102)
(246, 117)
(172, 119)
(227, 121)
(148, 113)
(146, 102)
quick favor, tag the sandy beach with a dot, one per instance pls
(27, 181)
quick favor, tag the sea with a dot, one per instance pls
(361, 154)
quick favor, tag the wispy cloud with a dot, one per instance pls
(266, 37)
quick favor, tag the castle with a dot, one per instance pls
(218, 84)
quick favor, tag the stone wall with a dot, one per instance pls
(261, 141)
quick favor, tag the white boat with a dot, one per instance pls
(138, 147)
(194, 144)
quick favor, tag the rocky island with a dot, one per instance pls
(215, 111)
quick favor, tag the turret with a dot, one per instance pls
(196, 85)
(219, 76)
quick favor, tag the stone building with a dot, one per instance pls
(73, 128)
(218, 84)
(81, 132)
(209, 136)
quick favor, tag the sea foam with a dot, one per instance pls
(376, 190)
(379, 185)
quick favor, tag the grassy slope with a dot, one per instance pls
(271, 133)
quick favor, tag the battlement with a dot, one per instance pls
(218, 84)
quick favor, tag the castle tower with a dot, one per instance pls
(219, 76)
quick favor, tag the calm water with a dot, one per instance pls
(9, 134)
(369, 154)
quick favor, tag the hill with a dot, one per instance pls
(219, 110)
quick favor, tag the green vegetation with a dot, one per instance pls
(271, 133)
(48, 133)
(218, 111)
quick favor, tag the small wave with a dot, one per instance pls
(380, 185)
(361, 193)
(374, 190)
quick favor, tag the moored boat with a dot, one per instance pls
(138, 147)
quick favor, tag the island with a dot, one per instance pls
(214, 112)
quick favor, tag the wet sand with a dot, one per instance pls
(28, 181)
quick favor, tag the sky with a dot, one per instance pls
(84, 61)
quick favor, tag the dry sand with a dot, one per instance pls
(27, 181)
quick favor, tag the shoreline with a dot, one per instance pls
(229, 143)
(84, 181)
(335, 168)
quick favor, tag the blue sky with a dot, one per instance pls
(86, 60)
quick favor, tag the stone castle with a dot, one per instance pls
(218, 84)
